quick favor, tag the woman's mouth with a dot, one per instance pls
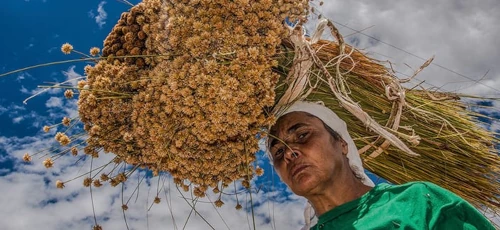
(297, 169)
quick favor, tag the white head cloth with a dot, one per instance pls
(338, 125)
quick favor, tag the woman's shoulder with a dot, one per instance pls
(421, 189)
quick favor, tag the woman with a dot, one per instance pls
(315, 156)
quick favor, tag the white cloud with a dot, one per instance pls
(70, 73)
(3, 109)
(101, 16)
(459, 33)
(17, 120)
(71, 76)
(23, 75)
(4, 158)
(12, 109)
(18, 116)
(52, 49)
(24, 90)
(30, 193)
(54, 102)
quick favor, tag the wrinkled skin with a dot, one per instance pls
(320, 170)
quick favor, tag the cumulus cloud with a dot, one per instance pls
(24, 90)
(72, 76)
(459, 34)
(12, 110)
(23, 75)
(3, 109)
(101, 16)
(54, 102)
(17, 120)
(37, 199)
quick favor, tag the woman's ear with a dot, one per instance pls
(345, 147)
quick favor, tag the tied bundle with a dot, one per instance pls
(193, 102)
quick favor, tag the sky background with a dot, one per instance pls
(462, 35)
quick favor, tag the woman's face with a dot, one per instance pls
(318, 156)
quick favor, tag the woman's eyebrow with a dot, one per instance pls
(292, 129)
(295, 127)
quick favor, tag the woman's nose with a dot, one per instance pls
(291, 154)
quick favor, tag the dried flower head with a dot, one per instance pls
(127, 137)
(59, 184)
(87, 181)
(63, 139)
(66, 48)
(245, 183)
(58, 136)
(219, 203)
(121, 177)
(104, 177)
(27, 157)
(259, 171)
(66, 121)
(46, 128)
(48, 163)
(94, 51)
(198, 192)
(97, 183)
(157, 200)
(114, 182)
(81, 84)
(238, 206)
(97, 227)
(124, 207)
(74, 151)
(68, 93)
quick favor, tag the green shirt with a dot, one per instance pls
(415, 205)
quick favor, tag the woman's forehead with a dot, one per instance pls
(287, 121)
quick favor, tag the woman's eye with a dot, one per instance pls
(302, 135)
(279, 153)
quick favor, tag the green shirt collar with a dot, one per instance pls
(338, 211)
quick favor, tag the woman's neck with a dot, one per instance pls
(337, 193)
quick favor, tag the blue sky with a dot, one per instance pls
(462, 36)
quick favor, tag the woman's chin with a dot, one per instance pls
(304, 184)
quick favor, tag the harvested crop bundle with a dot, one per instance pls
(202, 101)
